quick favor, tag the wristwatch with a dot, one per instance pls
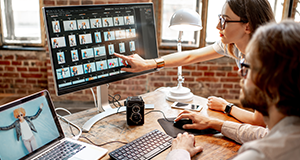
(228, 109)
(160, 63)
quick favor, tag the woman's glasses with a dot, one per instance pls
(244, 68)
(223, 21)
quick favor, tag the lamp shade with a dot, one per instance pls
(186, 20)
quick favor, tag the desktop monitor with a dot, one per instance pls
(82, 40)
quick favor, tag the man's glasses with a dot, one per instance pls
(20, 115)
(244, 68)
(223, 21)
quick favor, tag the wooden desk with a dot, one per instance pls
(115, 128)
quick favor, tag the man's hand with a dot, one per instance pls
(200, 121)
(187, 142)
(136, 62)
(217, 103)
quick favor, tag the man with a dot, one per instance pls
(61, 59)
(63, 73)
(75, 58)
(75, 71)
(270, 85)
(108, 36)
(83, 25)
(106, 23)
(88, 68)
(82, 40)
(56, 27)
(127, 20)
(97, 24)
(72, 42)
(24, 127)
(117, 22)
(55, 43)
(71, 25)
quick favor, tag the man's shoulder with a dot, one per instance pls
(280, 143)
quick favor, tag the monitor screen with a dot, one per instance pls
(82, 40)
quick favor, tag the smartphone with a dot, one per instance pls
(187, 106)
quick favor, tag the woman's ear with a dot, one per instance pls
(247, 28)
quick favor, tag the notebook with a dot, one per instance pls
(29, 128)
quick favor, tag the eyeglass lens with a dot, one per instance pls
(244, 71)
(222, 22)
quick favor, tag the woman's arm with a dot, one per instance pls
(219, 104)
(254, 118)
(138, 64)
(191, 56)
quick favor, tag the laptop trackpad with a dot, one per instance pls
(90, 153)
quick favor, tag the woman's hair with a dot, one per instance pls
(276, 48)
(255, 12)
(18, 111)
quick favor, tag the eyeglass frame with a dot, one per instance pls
(244, 68)
(222, 25)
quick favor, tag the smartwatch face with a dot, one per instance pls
(228, 108)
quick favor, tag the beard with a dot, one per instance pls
(254, 99)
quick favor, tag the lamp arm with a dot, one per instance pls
(179, 49)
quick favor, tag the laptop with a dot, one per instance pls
(30, 129)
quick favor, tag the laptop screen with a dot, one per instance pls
(27, 125)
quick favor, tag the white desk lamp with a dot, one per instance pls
(183, 20)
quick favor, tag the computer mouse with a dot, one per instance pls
(182, 122)
(128, 66)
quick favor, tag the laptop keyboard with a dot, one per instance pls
(63, 151)
(144, 147)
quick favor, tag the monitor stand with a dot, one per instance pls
(105, 108)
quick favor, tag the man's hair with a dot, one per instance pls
(255, 12)
(277, 48)
(18, 111)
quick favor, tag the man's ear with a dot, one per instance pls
(247, 28)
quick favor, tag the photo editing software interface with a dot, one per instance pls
(82, 40)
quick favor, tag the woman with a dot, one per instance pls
(236, 25)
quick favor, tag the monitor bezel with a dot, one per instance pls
(104, 80)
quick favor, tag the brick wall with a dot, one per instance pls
(22, 72)
(25, 72)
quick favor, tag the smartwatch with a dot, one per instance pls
(228, 109)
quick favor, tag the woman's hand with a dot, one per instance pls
(136, 62)
(187, 142)
(217, 103)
